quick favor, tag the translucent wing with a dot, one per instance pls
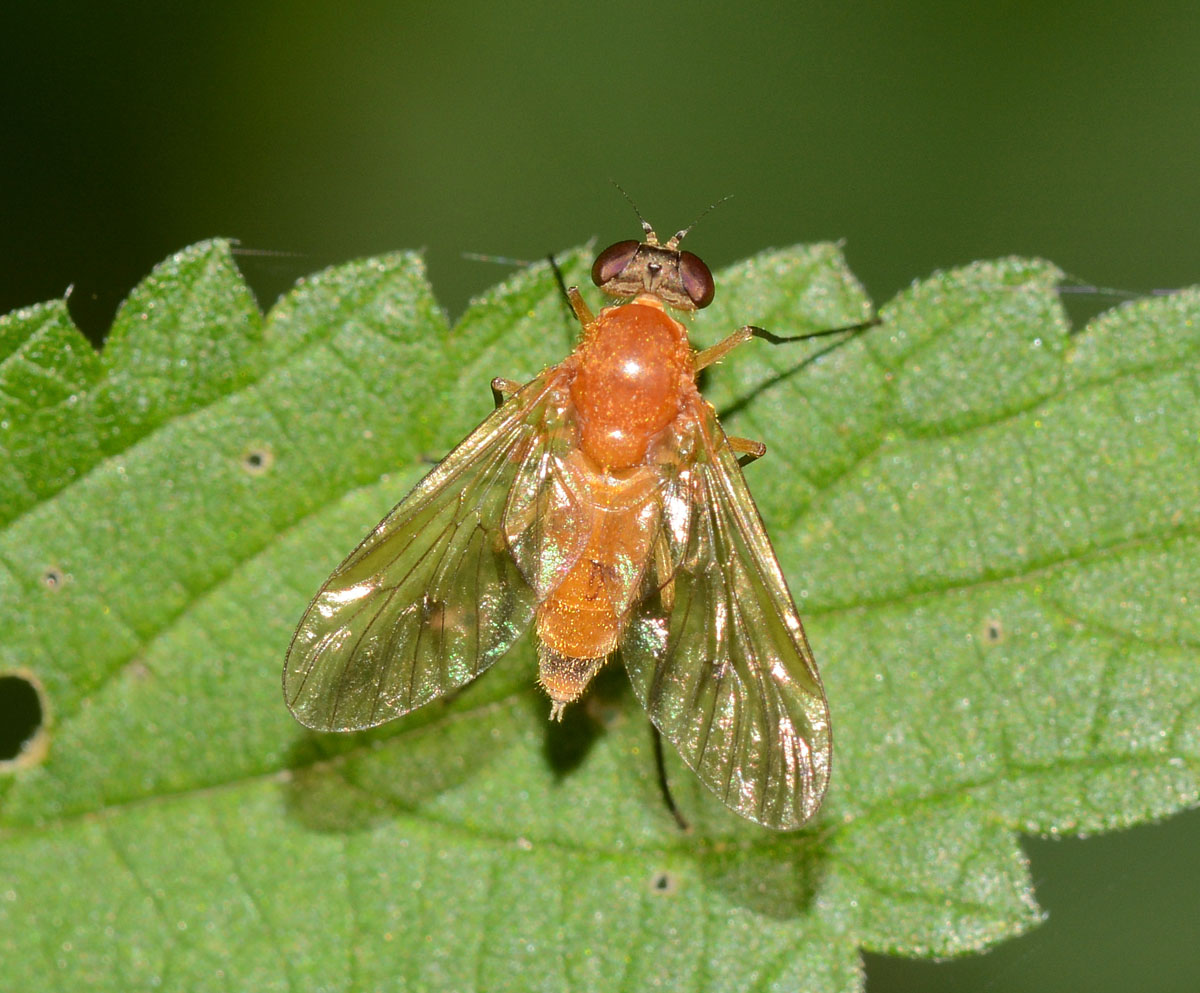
(716, 652)
(433, 596)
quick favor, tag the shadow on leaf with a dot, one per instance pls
(779, 879)
(567, 742)
(352, 783)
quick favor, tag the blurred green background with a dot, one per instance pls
(923, 134)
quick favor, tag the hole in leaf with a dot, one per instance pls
(23, 739)
(258, 460)
(992, 631)
(53, 578)
(664, 882)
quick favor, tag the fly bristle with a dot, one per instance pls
(564, 678)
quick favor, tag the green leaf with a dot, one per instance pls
(990, 524)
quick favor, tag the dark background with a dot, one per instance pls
(924, 134)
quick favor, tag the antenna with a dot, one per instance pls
(680, 235)
(651, 237)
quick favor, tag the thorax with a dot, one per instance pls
(632, 371)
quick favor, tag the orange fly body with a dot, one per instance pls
(602, 505)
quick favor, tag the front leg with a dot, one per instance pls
(724, 347)
(582, 311)
(739, 337)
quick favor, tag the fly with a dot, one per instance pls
(603, 506)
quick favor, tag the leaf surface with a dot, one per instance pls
(989, 521)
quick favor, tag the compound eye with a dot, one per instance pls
(612, 261)
(697, 279)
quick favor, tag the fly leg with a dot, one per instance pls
(579, 305)
(663, 785)
(743, 334)
(748, 451)
(503, 388)
(723, 347)
(663, 567)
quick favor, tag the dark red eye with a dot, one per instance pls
(697, 279)
(612, 261)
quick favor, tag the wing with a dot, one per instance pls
(432, 596)
(716, 652)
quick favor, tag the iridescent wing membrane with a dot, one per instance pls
(716, 652)
(433, 596)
